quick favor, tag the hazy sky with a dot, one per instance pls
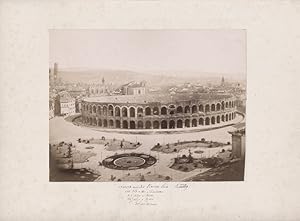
(217, 51)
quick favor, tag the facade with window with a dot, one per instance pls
(65, 104)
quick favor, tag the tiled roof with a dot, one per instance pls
(65, 97)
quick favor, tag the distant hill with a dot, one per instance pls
(118, 77)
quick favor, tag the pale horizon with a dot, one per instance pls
(221, 52)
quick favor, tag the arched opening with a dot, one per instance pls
(201, 108)
(187, 123)
(91, 121)
(95, 122)
(213, 107)
(194, 123)
(148, 111)
(179, 124)
(172, 124)
(155, 111)
(91, 111)
(132, 112)
(171, 109)
(218, 106)
(124, 112)
(179, 109)
(125, 124)
(229, 104)
(111, 123)
(94, 109)
(207, 108)
(104, 110)
(226, 104)
(226, 117)
(218, 119)
(140, 125)
(132, 124)
(110, 110)
(201, 121)
(105, 123)
(223, 105)
(230, 116)
(207, 121)
(100, 123)
(99, 110)
(118, 124)
(117, 112)
(194, 109)
(213, 120)
(163, 111)
(223, 118)
(187, 109)
(148, 124)
(140, 112)
(164, 124)
(156, 125)
(87, 120)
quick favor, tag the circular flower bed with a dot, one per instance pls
(129, 161)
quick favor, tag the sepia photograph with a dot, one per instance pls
(147, 105)
(144, 110)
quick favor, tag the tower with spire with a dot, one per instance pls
(223, 81)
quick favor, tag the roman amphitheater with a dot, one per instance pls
(163, 112)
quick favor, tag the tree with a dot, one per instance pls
(190, 158)
(69, 152)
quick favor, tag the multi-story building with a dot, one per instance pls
(64, 104)
(51, 108)
(238, 141)
(134, 88)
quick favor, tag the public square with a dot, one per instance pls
(62, 130)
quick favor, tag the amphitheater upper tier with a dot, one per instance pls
(158, 111)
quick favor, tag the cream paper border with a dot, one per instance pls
(271, 187)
